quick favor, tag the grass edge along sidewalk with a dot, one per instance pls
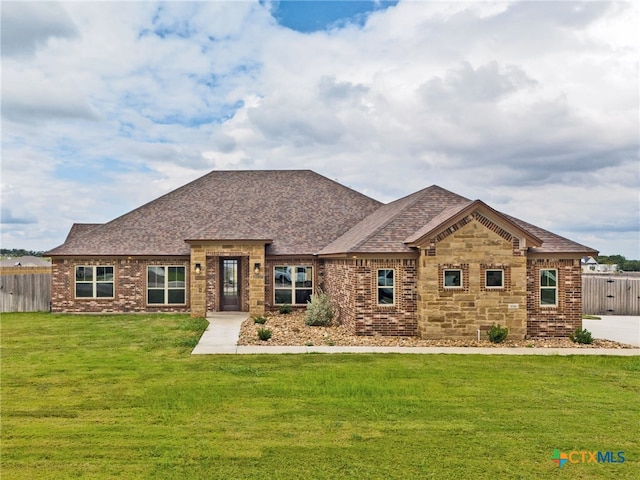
(121, 397)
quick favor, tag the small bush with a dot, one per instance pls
(497, 334)
(319, 310)
(581, 336)
(261, 320)
(264, 334)
(286, 309)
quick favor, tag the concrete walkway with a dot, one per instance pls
(221, 337)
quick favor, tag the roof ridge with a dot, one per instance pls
(419, 195)
(366, 238)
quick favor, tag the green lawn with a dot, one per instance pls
(121, 397)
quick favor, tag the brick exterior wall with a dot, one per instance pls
(352, 285)
(473, 245)
(422, 305)
(130, 286)
(563, 319)
(339, 284)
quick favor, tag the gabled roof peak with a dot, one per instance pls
(451, 215)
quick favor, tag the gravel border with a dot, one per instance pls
(290, 330)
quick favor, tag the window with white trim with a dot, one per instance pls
(166, 285)
(452, 278)
(386, 286)
(94, 282)
(494, 278)
(548, 287)
(292, 285)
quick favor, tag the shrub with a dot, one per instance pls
(497, 334)
(581, 336)
(261, 320)
(286, 309)
(319, 310)
(264, 334)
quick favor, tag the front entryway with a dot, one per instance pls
(230, 293)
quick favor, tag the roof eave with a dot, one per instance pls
(229, 240)
(577, 254)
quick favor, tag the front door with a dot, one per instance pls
(230, 293)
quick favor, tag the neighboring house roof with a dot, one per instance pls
(297, 211)
(26, 261)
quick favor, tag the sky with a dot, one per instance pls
(532, 107)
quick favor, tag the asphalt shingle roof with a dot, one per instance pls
(296, 212)
(299, 211)
(386, 229)
(393, 226)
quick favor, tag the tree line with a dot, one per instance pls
(19, 252)
(623, 264)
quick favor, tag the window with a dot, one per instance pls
(94, 282)
(166, 285)
(494, 278)
(386, 285)
(292, 285)
(548, 287)
(452, 278)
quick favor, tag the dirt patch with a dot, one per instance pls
(290, 330)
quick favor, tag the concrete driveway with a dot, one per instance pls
(620, 328)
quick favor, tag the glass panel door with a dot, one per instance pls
(230, 284)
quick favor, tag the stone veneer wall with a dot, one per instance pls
(203, 285)
(352, 285)
(473, 245)
(130, 285)
(562, 320)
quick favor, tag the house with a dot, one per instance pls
(591, 265)
(25, 261)
(432, 264)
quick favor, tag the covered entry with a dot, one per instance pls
(230, 278)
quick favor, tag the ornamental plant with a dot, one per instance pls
(285, 309)
(581, 336)
(319, 310)
(264, 334)
(497, 334)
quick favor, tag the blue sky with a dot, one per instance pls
(530, 106)
(311, 16)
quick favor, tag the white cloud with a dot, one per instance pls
(28, 26)
(533, 107)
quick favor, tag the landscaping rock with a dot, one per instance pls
(291, 330)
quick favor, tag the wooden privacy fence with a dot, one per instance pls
(25, 289)
(610, 295)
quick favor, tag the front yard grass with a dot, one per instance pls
(98, 397)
